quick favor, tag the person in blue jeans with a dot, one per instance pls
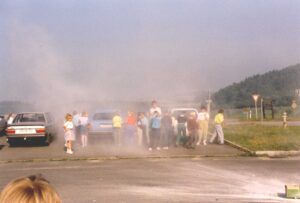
(155, 124)
(166, 130)
(181, 128)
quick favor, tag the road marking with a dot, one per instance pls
(52, 168)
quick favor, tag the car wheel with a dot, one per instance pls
(47, 140)
(11, 142)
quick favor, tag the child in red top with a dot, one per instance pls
(131, 124)
(131, 119)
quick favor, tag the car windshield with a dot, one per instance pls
(29, 117)
(186, 112)
(103, 116)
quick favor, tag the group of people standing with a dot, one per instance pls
(192, 129)
(152, 130)
(149, 129)
(155, 130)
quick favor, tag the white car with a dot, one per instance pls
(31, 126)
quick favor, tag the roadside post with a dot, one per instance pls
(255, 98)
(261, 109)
(284, 117)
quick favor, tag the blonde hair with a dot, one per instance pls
(32, 189)
(68, 117)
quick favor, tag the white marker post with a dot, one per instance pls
(255, 98)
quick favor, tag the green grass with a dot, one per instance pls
(259, 138)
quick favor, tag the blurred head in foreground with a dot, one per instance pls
(32, 189)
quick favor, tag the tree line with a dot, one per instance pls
(279, 85)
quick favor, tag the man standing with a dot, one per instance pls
(154, 107)
(155, 124)
(192, 127)
(166, 130)
(181, 129)
(219, 120)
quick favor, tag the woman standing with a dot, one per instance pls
(69, 132)
(203, 118)
(83, 128)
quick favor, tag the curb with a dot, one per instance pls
(277, 154)
(114, 158)
(270, 154)
(249, 152)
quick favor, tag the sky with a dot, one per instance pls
(140, 49)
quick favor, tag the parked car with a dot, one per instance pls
(31, 126)
(177, 111)
(101, 122)
(3, 124)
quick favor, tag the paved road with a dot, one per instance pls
(100, 148)
(164, 180)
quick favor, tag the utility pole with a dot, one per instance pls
(261, 109)
(208, 103)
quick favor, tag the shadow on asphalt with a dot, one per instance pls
(281, 195)
(27, 144)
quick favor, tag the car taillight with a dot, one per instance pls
(40, 130)
(10, 131)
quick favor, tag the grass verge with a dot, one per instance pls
(261, 138)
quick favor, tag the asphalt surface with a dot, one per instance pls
(241, 179)
(103, 172)
(102, 148)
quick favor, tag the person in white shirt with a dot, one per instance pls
(83, 128)
(154, 108)
(69, 132)
(203, 118)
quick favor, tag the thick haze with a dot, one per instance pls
(126, 50)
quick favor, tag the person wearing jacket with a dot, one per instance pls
(192, 127)
(218, 132)
(155, 125)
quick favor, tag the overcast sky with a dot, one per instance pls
(141, 49)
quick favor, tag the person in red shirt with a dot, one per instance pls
(131, 124)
